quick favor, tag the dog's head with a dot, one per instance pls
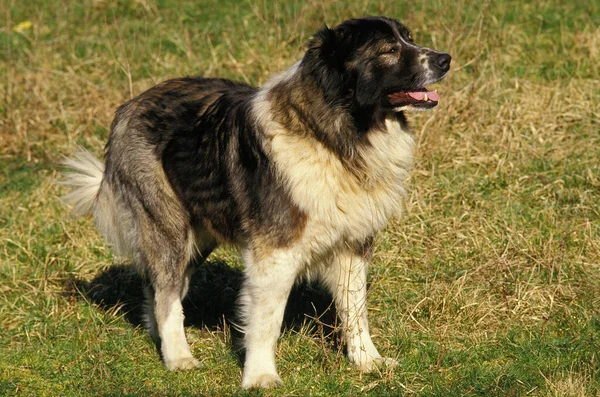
(374, 63)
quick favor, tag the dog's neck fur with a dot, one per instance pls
(304, 110)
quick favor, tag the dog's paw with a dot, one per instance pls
(182, 364)
(262, 381)
(379, 363)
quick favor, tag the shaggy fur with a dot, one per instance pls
(299, 174)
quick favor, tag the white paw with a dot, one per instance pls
(262, 381)
(182, 364)
(378, 363)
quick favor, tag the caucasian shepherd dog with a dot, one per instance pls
(299, 174)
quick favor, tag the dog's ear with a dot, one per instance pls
(330, 45)
(322, 62)
(323, 42)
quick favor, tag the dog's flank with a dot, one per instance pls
(299, 174)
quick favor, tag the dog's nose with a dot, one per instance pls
(442, 61)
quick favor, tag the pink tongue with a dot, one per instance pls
(419, 96)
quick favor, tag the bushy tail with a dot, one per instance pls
(90, 196)
(84, 177)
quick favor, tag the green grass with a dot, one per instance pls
(489, 285)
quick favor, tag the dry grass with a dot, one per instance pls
(487, 286)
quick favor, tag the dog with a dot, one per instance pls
(299, 174)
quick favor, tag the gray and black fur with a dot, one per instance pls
(194, 162)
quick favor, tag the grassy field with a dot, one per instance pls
(489, 285)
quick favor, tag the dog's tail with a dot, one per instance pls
(91, 195)
(85, 177)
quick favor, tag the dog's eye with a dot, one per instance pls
(392, 50)
(410, 38)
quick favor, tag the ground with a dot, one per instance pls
(488, 285)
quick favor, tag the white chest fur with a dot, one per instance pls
(340, 204)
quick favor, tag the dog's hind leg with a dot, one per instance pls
(163, 249)
(175, 351)
(346, 277)
(205, 244)
(149, 319)
(267, 285)
(168, 274)
(170, 286)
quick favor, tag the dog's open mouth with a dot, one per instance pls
(420, 98)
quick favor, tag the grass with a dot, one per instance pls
(488, 285)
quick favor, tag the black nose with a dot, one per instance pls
(442, 61)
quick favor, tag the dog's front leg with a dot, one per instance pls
(347, 280)
(267, 285)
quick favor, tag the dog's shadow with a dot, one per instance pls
(211, 303)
